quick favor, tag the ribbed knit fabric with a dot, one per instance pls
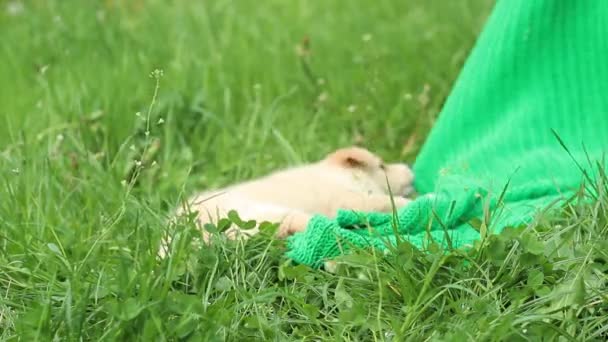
(539, 67)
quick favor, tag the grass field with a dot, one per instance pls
(112, 113)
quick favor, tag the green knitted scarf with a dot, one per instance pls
(528, 113)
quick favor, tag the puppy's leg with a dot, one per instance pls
(381, 203)
(292, 223)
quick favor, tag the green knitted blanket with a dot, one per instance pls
(539, 71)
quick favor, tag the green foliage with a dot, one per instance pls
(94, 156)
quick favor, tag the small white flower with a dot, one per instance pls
(352, 108)
(154, 163)
(389, 334)
(15, 170)
(161, 121)
(60, 137)
(138, 163)
(157, 73)
(322, 97)
(147, 133)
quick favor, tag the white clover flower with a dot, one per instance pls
(157, 73)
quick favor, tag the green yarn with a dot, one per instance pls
(538, 70)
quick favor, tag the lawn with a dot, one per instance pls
(112, 113)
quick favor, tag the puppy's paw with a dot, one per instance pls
(330, 266)
(293, 223)
(401, 202)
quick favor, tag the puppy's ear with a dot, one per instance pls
(352, 157)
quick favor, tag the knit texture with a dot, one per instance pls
(539, 70)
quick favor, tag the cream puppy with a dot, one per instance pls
(349, 178)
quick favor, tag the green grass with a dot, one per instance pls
(242, 93)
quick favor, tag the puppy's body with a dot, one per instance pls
(351, 178)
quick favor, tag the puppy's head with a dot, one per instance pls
(371, 171)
